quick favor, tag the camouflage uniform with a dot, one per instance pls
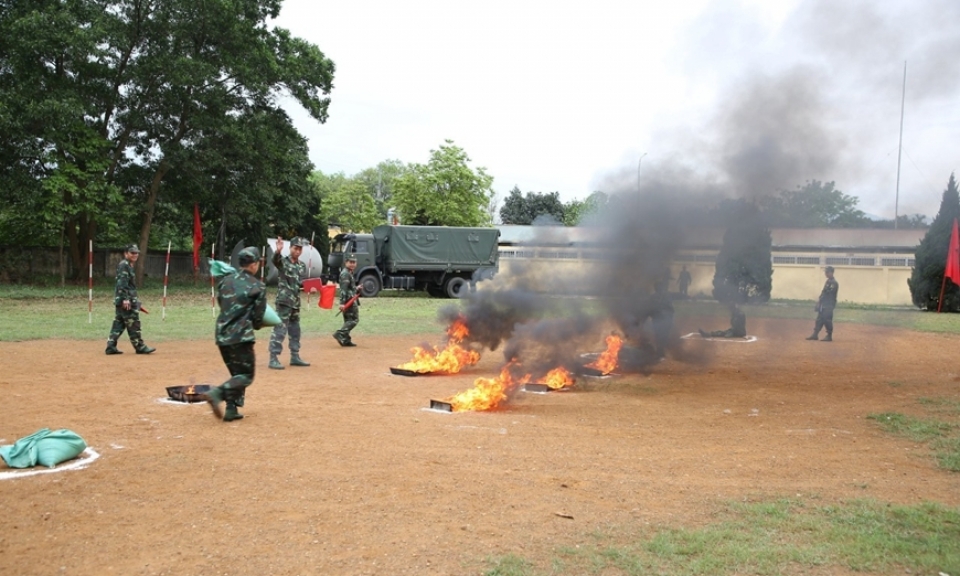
(737, 329)
(129, 320)
(825, 306)
(243, 301)
(351, 315)
(289, 284)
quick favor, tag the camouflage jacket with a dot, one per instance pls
(243, 300)
(126, 284)
(348, 286)
(289, 280)
(828, 297)
(738, 323)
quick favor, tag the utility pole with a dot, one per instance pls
(639, 163)
(903, 98)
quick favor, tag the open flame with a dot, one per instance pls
(488, 393)
(189, 390)
(450, 359)
(558, 378)
(606, 362)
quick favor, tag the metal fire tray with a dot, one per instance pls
(181, 394)
(538, 388)
(441, 406)
(585, 371)
(404, 372)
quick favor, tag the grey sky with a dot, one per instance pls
(742, 97)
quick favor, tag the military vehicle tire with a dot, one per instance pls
(369, 285)
(456, 287)
(435, 291)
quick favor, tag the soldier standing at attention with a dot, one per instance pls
(684, 281)
(127, 305)
(351, 314)
(825, 306)
(243, 301)
(290, 272)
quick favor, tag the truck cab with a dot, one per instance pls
(362, 247)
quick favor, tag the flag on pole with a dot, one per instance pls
(197, 236)
(952, 271)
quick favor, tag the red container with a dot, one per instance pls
(326, 296)
(312, 283)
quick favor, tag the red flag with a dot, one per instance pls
(952, 270)
(197, 236)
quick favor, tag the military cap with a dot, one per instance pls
(351, 258)
(132, 249)
(828, 269)
(248, 256)
(299, 241)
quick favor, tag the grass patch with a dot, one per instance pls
(778, 537)
(943, 438)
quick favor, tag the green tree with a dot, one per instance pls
(379, 183)
(576, 212)
(445, 191)
(744, 272)
(346, 202)
(131, 86)
(525, 209)
(814, 205)
(926, 279)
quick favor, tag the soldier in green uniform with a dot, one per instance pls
(290, 272)
(737, 329)
(127, 304)
(243, 301)
(825, 306)
(351, 314)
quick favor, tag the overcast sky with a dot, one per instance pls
(740, 97)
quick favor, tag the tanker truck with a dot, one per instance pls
(443, 261)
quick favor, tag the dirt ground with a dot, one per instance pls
(340, 469)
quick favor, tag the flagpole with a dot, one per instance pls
(90, 283)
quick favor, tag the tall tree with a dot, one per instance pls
(926, 279)
(134, 84)
(525, 209)
(744, 271)
(814, 205)
(379, 183)
(445, 191)
(346, 202)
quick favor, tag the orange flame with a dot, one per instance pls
(189, 390)
(488, 393)
(450, 359)
(606, 362)
(558, 378)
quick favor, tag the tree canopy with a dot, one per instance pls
(445, 191)
(102, 100)
(926, 279)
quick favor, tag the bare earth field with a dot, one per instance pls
(339, 469)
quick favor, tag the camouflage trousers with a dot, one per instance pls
(291, 324)
(824, 320)
(351, 317)
(128, 320)
(241, 362)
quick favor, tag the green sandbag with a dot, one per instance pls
(271, 318)
(44, 447)
(218, 268)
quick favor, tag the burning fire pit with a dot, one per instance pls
(404, 372)
(191, 394)
(537, 388)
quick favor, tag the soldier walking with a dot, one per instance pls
(825, 306)
(289, 283)
(243, 302)
(127, 304)
(351, 313)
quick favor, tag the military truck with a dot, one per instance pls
(444, 261)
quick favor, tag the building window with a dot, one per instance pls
(837, 261)
(863, 261)
(784, 259)
(893, 261)
(815, 260)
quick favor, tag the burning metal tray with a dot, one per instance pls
(194, 393)
(538, 388)
(404, 372)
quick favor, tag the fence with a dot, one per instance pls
(21, 264)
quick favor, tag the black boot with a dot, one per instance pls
(829, 338)
(296, 360)
(144, 349)
(112, 348)
(813, 337)
(275, 363)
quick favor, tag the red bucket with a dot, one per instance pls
(326, 296)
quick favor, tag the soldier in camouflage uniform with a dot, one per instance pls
(290, 272)
(127, 304)
(243, 301)
(825, 306)
(348, 289)
(737, 329)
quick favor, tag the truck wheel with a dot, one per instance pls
(456, 287)
(369, 285)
